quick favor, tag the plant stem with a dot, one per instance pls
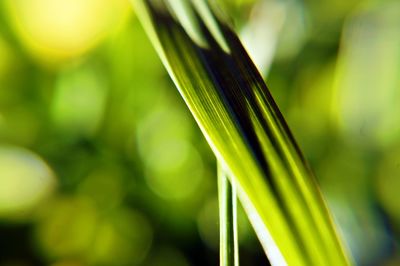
(229, 252)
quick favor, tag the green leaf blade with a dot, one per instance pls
(246, 131)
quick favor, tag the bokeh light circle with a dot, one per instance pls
(174, 169)
(54, 30)
(25, 180)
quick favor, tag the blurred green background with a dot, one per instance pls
(102, 164)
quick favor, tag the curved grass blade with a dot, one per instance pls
(229, 250)
(242, 124)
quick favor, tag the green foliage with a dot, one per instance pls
(246, 131)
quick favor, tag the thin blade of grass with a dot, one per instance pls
(229, 250)
(246, 131)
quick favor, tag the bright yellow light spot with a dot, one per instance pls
(25, 180)
(59, 29)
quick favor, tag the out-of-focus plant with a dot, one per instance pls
(101, 162)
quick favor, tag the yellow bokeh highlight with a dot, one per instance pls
(25, 181)
(54, 30)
